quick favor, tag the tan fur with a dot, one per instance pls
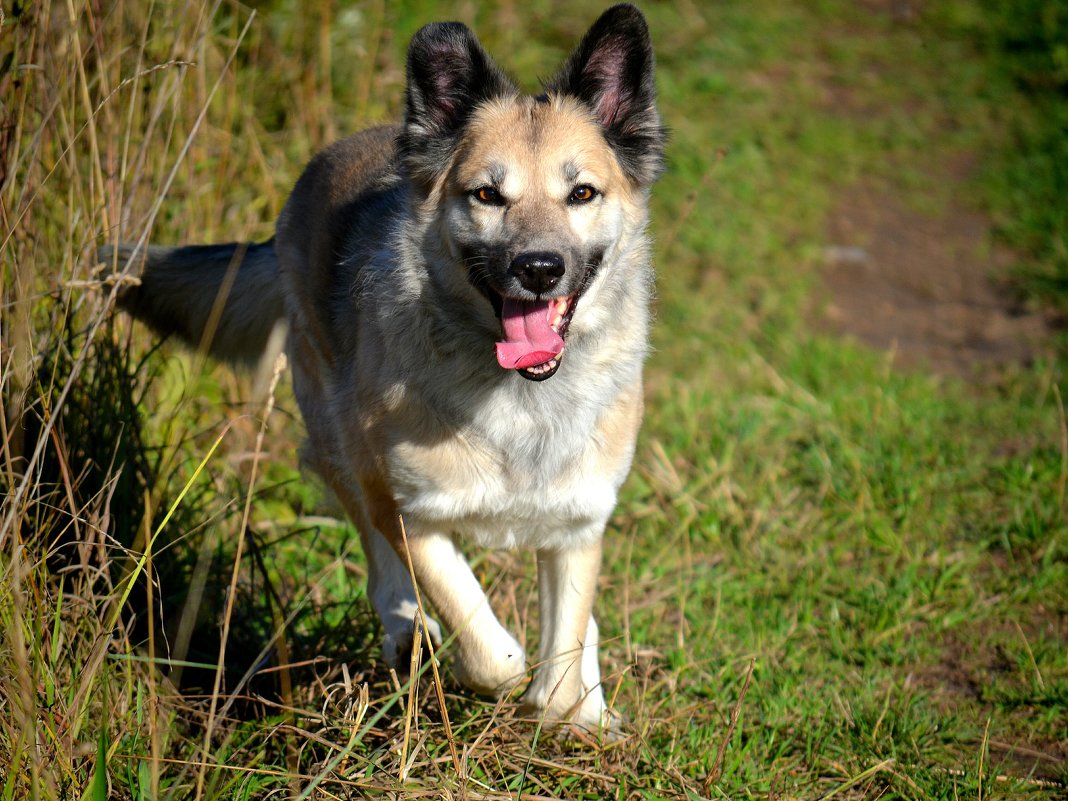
(394, 273)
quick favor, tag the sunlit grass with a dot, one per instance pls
(885, 551)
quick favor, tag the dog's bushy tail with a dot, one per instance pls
(225, 299)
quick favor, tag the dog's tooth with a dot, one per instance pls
(542, 369)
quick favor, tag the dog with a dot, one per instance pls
(467, 306)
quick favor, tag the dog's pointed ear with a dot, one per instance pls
(449, 75)
(613, 72)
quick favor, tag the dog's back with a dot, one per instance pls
(342, 208)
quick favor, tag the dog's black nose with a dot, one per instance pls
(538, 271)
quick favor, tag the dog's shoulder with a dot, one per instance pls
(343, 186)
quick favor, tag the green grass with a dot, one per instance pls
(1026, 40)
(887, 551)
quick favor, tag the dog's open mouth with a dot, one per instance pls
(534, 333)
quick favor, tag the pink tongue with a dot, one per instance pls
(529, 340)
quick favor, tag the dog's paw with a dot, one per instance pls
(598, 720)
(397, 645)
(587, 714)
(494, 668)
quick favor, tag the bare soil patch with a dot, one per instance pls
(930, 289)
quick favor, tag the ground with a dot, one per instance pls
(933, 292)
(930, 288)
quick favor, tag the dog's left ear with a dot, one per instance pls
(612, 71)
(449, 75)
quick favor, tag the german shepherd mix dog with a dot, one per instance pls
(467, 306)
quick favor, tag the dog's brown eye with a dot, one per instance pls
(582, 194)
(489, 196)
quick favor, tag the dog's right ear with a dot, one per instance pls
(449, 75)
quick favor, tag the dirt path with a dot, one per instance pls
(929, 288)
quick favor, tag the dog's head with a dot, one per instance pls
(533, 192)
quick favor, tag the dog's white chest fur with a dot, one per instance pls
(525, 477)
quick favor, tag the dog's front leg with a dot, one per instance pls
(490, 660)
(389, 584)
(566, 684)
(392, 594)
